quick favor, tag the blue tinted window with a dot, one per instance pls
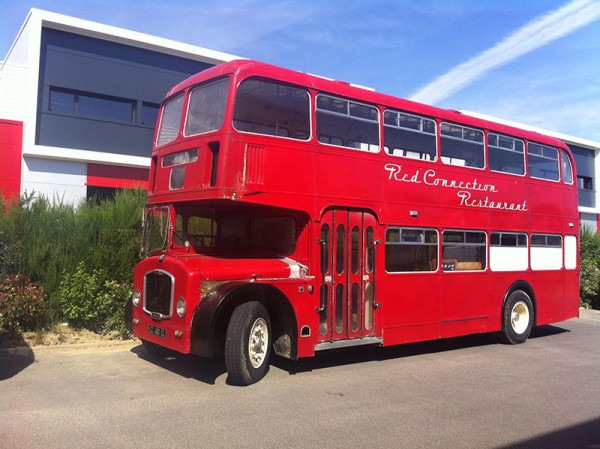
(62, 101)
(149, 114)
(106, 108)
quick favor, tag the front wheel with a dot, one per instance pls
(248, 344)
(517, 317)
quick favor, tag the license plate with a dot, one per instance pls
(162, 333)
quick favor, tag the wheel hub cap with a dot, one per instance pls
(520, 317)
(258, 343)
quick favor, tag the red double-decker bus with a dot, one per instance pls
(294, 214)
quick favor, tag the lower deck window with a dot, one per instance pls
(411, 249)
(508, 251)
(463, 250)
(546, 252)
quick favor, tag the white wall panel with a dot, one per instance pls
(56, 180)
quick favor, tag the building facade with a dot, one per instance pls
(79, 102)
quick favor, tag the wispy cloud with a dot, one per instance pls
(537, 33)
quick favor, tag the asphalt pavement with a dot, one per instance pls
(468, 392)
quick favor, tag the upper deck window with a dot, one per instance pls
(347, 124)
(462, 146)
(542, 161)
(170, 121)
(409, 136)
(206, 107)
(567, 169)
(266, 107)
(506, 154)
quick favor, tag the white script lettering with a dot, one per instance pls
(465, 188)
(467, 200)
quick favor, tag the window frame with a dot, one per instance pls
(77, 108)
(558, 162)
(173, 100)
(349, 102)
(398, 126)
(280, 84)
(465, 243)
(499, 148)
(406, 243)
(564, 157)
(189, 102)
(461, 139)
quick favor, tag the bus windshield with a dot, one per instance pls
(211, 231)
(156, 230)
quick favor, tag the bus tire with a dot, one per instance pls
(517, 318)
(248, 344)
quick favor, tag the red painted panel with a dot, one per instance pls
(117, 177)
(11, 149)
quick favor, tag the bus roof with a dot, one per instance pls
(244, 68)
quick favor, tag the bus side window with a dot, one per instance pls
(567, 169)
(266, 107)
(346, 123)
(509, 251)
(463, 250)
(506, 154)
(410, 136)
(462, 146)
(410, 249)
(546, 252)
(542, 161)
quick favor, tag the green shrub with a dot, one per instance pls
(22, 305)
(88, 300)
(46, 240)
(589, 256)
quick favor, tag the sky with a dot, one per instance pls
(535, 62)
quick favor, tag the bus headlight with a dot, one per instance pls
(181, 307)
(135, 298)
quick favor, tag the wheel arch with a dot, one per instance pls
(211, 318)
(527, 288)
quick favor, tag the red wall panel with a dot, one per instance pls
(117, 177)
(11, 150)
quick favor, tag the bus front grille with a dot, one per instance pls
(158, 294)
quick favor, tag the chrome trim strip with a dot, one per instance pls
(324, 345)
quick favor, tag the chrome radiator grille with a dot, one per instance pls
(158, 294)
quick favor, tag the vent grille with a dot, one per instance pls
(255, 164)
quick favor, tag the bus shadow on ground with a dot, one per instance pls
(15, 359)
(207, 370)
(364, 354)
(547, 331)
(580, 436)
(186, 365)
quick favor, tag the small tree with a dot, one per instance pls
(88, 300)
(22, 305)
(590, 268)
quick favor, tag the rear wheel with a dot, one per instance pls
(248, 344)
(517, 317)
